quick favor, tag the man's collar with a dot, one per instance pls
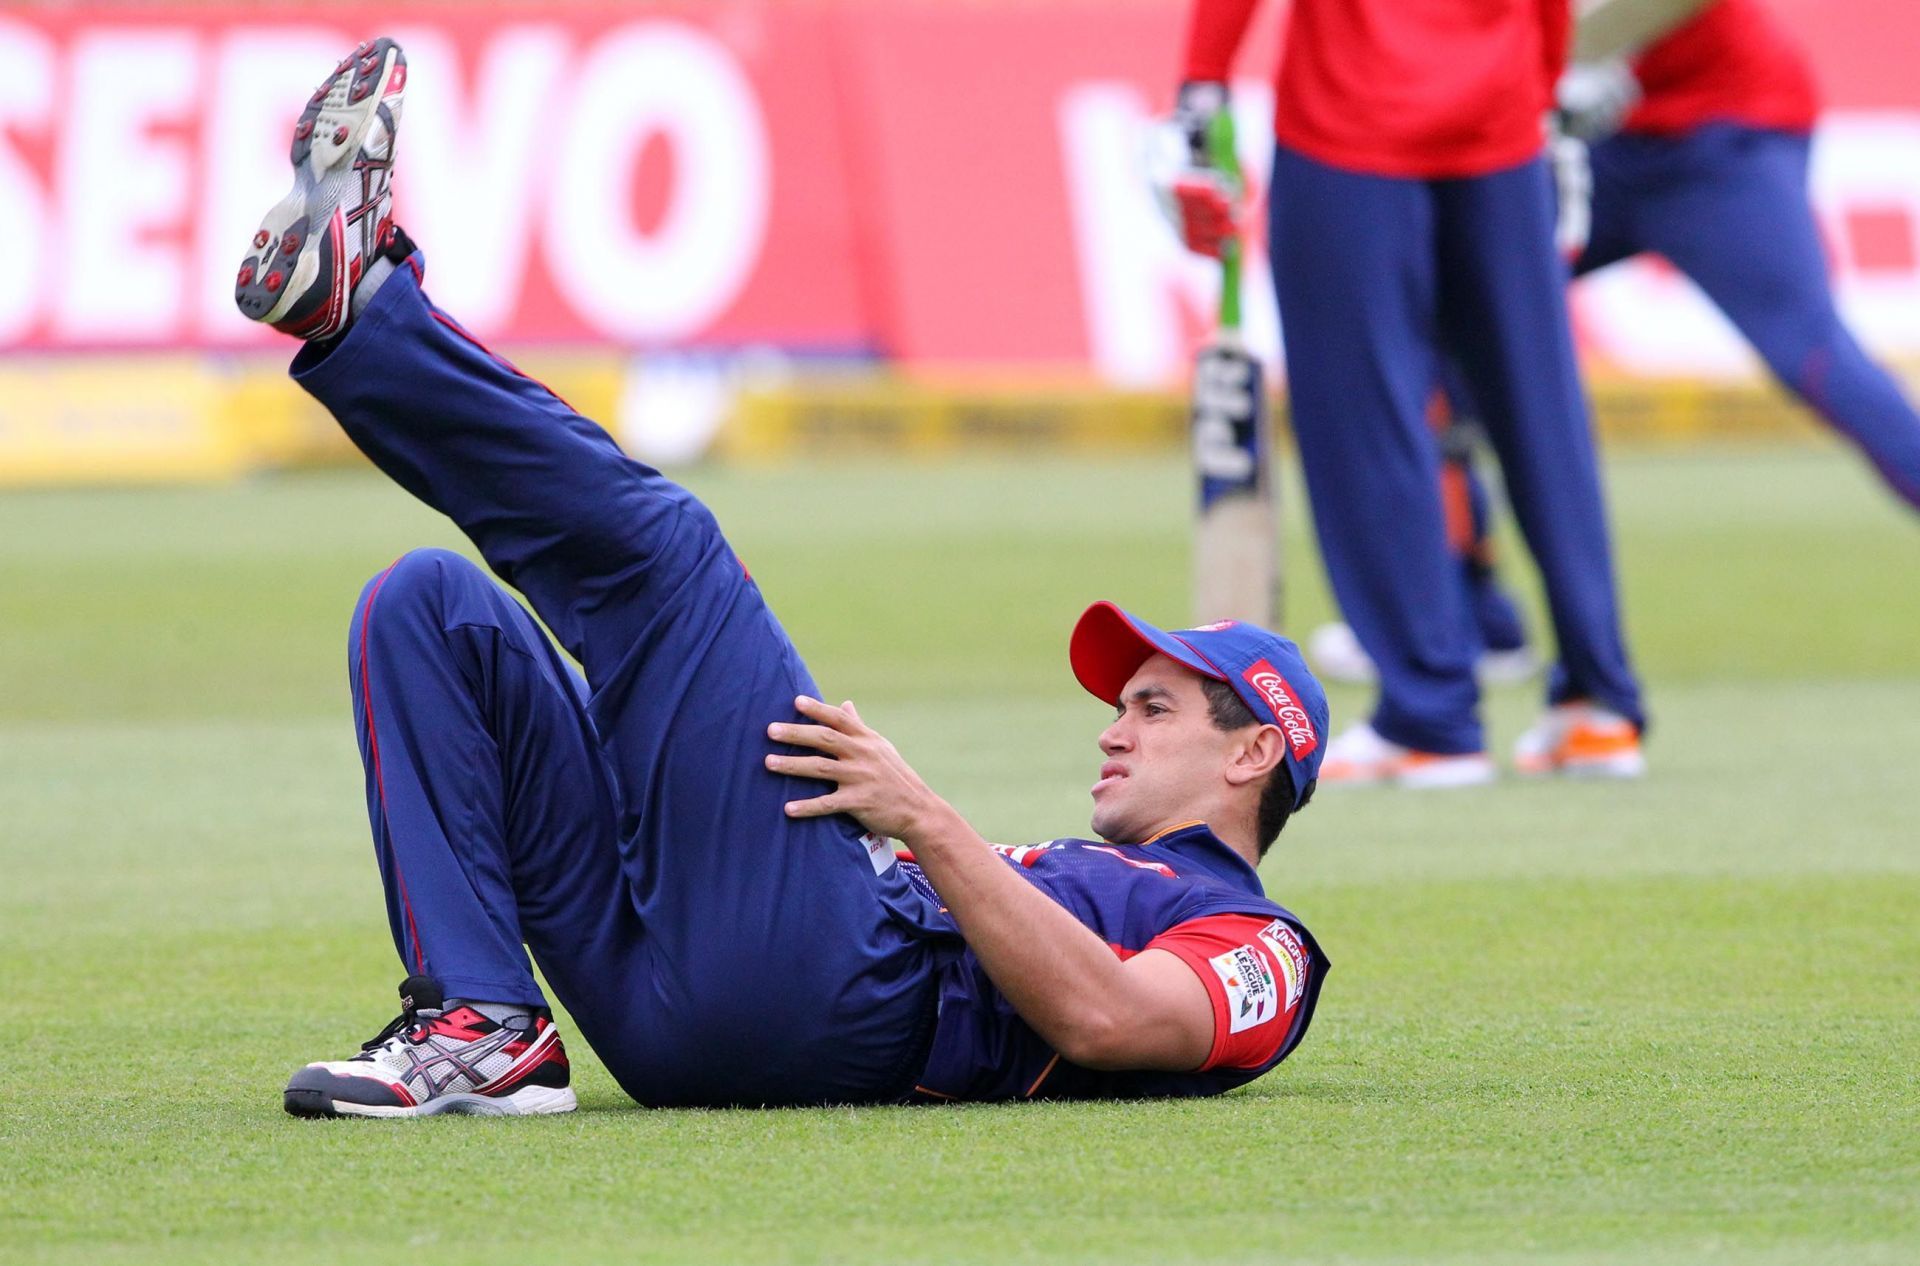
(1195, 842)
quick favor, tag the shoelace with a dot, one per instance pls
(405, 1023)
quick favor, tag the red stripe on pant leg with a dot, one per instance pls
(379, 781)
(497, 358)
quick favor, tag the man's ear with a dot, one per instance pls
(1257, 756)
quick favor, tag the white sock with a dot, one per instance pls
(377, 272)
(498, 1012)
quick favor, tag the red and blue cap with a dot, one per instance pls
(1264, 669)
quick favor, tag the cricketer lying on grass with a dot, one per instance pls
(691, 843)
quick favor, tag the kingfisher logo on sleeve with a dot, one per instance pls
(1287, 712)
(1253, 996)
(1291, 956)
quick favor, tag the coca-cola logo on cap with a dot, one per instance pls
(1287, 712)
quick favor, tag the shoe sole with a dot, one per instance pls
(1354, 776)
(525, 1102)
(287, 256)
(1623, 766)
(1426, 775)
(1447, 775)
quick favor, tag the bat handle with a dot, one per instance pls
(1226, 159)
(1230, 284)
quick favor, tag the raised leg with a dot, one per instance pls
(1732, 213)
(754, 924)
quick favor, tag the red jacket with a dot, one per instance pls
(1731, 62)
(1413, 88)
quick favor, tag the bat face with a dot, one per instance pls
(1235, 550)
(1229, 424)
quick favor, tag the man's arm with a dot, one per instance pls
(1149, 1012)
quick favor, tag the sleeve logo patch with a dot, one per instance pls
(1290, 954)
(1253, 996)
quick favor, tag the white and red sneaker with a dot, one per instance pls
(319, 241)
(1581, 740)
(1359, 756)
(432, 1060)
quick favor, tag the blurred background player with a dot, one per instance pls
(1709, 169)
(1411, 216)
(1698, 151)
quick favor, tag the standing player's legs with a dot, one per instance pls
(1503, 300)
(1353, 271)
(1493, 619)
(1729, 208)
(784, 964)
(491, 808)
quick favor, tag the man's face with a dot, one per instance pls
(1166, 762)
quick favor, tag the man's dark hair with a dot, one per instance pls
(1228, 711)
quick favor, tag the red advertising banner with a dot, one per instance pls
(647, 177)
(942, 184)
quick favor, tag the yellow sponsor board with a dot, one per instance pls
(172, 417)
(183, 418)
(113, 420)
(878, 414)
(875, 413)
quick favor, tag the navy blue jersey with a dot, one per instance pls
(1183, 891)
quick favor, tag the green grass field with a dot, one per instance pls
(1667, 1022)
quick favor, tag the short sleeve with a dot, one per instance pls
(1255, 973)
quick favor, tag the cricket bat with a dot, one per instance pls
(1235, 547)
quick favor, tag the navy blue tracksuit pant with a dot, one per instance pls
(1727, 206)
(623, 827)
(1377, 278)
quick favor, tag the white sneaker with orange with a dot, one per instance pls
(1360, 757)
(1581, 740)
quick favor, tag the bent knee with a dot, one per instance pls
(420, 578)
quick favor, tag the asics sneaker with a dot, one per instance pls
(1582, 740)
(433, 1059)
(1359, 756)
(319, 241)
